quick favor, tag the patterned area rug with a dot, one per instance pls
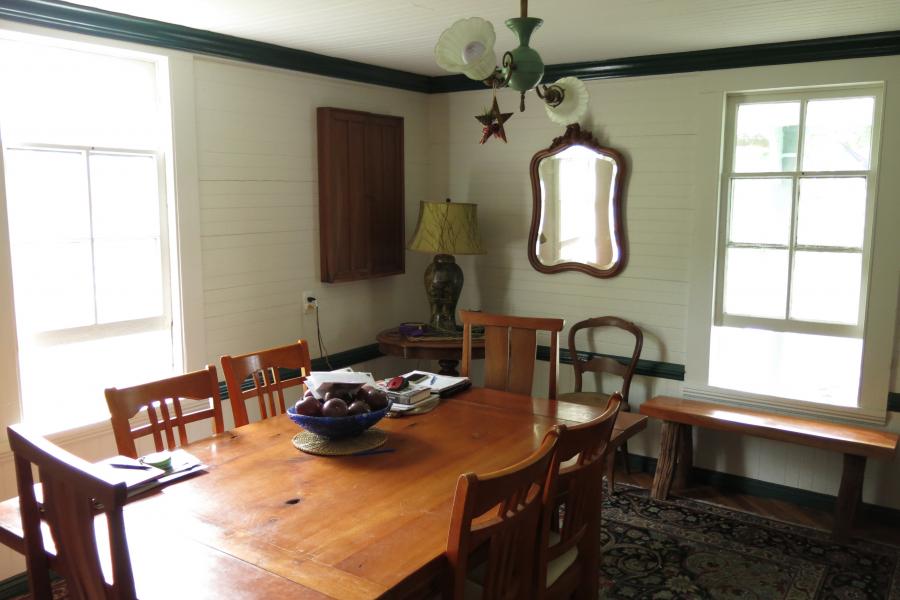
(680, 549)
(689, 550)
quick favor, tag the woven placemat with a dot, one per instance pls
(322, 446)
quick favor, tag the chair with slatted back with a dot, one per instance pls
(74, 491)
(498, 516)
(265, 369)
(605, 364)
(510, 345)
(569, 553)
(156, 397)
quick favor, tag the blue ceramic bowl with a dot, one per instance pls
(338, 427)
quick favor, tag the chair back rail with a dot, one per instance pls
(580, 458)
(155, 397)
(73, 492)
(510, 345)
(604, 364)
(263, 368)
(498, 514)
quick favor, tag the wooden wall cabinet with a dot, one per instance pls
(361, 200)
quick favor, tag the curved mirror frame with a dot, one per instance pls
(574, 177)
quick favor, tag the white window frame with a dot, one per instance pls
(787, 324)
(880, 272)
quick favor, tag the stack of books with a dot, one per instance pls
(413, 394)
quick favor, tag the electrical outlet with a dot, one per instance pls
(310, 302)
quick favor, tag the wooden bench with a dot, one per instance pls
(676, 445)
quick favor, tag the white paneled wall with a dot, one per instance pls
(660, 127)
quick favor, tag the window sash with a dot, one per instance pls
(728, 176)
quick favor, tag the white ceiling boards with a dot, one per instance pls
(401, 34)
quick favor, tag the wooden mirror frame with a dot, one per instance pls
(575, 136)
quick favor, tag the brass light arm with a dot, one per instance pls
(500, 77)
(553, 94)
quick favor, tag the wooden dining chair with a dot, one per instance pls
(569, 556)
(74, 491)
(510, 345)
(125, 403)
(265, 370)
(498, 516)
(605, 364)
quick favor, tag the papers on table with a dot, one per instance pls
(140, 477)
(322, 382)
(445, 385)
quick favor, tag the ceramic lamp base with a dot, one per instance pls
(443, 284)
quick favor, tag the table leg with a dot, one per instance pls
(448, 367)
(849, 496)
(665, 465)
(685, 461)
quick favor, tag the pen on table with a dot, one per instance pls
(433, 379)
(127, 466)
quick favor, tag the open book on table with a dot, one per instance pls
(445, 385)
(141, 477)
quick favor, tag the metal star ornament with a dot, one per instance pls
(493, 121)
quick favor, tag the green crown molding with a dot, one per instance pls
(757, 55)
(101, 23)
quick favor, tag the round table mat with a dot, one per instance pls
(322, 446)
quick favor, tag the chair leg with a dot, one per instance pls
(626, 463)
(611, 472)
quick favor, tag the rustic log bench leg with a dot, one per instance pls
(685, 457)
(665, 465)
(849, 496)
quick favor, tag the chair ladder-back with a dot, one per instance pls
(510, 346)
(74, 491)
(263, 369)
(499, 514)
(156, 397)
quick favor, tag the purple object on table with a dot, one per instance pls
(412, 329)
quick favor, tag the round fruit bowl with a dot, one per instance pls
(338, 427)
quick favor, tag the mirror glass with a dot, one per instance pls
(577, 223)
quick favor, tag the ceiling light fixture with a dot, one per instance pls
(467, 47)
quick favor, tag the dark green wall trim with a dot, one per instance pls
(780, 53)
(93, 21)
(101, 23)
(894, 401)
(650, 368)
(764, 489)
(17, 585)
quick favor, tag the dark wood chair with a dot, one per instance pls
(510, 345)
(125, 403)
(569, 553)
(74, 491)
(265, 369)
(497, 517)
(605, 364)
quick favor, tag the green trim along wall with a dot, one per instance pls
(101, 23)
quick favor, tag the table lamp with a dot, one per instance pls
(445, 228)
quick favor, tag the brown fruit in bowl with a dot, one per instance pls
(308, 406)
(335, 407)
(358, 407)
(376, 399)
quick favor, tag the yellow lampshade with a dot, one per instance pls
(447, 228)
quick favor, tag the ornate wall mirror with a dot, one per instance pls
(577, 222)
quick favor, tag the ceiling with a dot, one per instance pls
(401, 33)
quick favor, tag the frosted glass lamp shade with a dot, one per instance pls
(574, 105)
(467, 47)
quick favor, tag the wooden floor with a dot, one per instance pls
(775, 509)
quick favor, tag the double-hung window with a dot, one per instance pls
(84, 166)
(795, 235)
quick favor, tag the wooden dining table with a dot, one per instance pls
(266, 520)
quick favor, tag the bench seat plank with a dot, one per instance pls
(847, 439)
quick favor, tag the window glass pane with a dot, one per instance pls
(832, 211)
(760, 211)
(53, 285)
(756, 282)
(129, 279)
(838, 135)
(124, 196)
(65, 96)
(825, 286)
(46, 195)
(766, 137)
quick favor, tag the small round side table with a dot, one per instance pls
(447, 352)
